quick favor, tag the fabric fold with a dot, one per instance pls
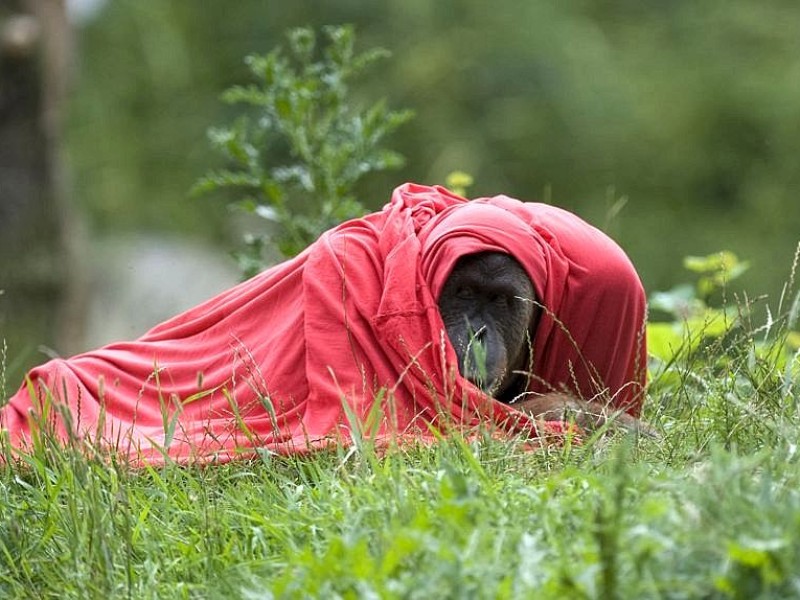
(291, 359)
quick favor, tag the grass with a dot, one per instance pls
(710, 511)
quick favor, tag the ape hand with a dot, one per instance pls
(588, 415)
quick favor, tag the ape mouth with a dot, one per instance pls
(473, 365)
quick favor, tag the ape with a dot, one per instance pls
(490, 312)
(289, 358)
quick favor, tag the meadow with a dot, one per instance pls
(710, 510)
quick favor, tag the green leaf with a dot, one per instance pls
(665, 340)
(680, 302)
(719, 261)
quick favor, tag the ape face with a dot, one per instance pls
(489, 312)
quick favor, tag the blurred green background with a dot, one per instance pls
(688, 110)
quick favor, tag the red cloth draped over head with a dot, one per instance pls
(349, 332)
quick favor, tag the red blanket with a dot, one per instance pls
(348, 334)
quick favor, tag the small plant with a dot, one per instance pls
(693, 319)
(734, 378)
(297, 155)
(695, 322)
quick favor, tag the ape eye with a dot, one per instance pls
(465, 293)
(503, 299)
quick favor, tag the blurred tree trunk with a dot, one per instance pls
(43, 283)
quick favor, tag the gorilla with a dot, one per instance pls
(490, 313)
